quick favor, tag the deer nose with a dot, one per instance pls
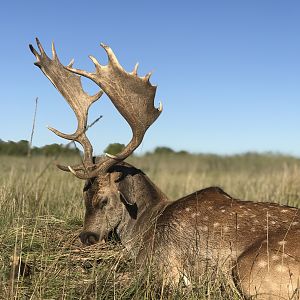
(89, 238)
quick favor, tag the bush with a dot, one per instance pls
(163, 150)
(14, 148)
(114, 148)
(21, 149)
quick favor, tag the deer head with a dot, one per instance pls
(133, 96)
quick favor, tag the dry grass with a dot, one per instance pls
(41, 215)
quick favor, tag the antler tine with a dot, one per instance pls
(70, 87)
(133, 96)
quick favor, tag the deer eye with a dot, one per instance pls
(102, 203)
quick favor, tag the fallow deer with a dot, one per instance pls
(257, 244)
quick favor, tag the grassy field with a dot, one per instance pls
(42, 211)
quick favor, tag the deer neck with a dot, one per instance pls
(143, 202)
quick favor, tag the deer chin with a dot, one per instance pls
(112, 236)
(102, 242)
(106, 237)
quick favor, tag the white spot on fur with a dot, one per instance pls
(273, 222)
(223, 210)
(226, 229)
(194, 215)
(275, 257)
(281, 268)
(252, 229)
(216, 224)
(187, 209)
(262, 264)
(204, 228)
(284, 210)
(281, 243)
(295, 223)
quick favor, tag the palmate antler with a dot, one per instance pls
(133, 96)
(69, 85)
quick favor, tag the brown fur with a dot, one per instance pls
(207, 230)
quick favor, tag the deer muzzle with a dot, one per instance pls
(89, 238)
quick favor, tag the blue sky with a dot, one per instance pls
(228, 72)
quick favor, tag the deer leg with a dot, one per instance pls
(269, 270)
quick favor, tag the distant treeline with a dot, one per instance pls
(167, 150)
(21, 148)
(116, 148)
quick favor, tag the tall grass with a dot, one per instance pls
(41, 213)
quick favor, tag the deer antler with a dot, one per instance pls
(133, 96)
(69, 85)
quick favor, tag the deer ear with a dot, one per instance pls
(130, 206)
(125, 200)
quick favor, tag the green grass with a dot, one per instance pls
(41, 213)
